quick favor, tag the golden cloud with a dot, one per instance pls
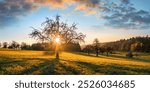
(89, 6)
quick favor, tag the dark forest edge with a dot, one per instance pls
(134, 44)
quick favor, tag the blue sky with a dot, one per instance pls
(92, 18)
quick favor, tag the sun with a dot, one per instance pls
(57, 40)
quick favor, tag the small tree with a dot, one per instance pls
(108, 50)
(14, 45)
(96, 46)
(88, 49)
(25, 46)
(5, 45)
(0, 45)
(129, 54)
(58, 33)
(37, 46)
(137, 46)
(102, 50)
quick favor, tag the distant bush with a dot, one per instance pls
(129, 54)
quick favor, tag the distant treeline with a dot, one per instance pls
(40, 46)
(137, 44)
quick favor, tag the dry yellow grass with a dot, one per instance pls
(43, 62)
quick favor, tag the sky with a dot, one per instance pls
(107, 20)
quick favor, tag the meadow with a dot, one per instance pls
(23, 62)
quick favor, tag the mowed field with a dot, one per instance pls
(44, 63)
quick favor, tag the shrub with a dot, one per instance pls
(129, 54)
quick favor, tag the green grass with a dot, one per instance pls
(44, 63)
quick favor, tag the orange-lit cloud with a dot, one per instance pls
(90, 12)
(81, 5)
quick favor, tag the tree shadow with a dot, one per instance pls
(40, 66)
(49, 52)
(49, 67)
(113, 57)
(83, 54)
(100, 56)
(133, 58)
(140, 59)
(46, 68)
(103, 69)
(9, 62)
(114, 69)
(69, 70)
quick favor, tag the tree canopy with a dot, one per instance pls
(52, 29)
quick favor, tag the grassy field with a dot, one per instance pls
(43, 62)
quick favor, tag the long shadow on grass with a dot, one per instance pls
(45, 68)
(49, 67)
(111, 69)
(113, 57)
(69, 70)
(4, 62)
(100, 56)
(114, 69)
(133, 59)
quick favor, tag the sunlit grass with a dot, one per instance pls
(44, 62)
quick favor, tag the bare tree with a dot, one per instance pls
(0, 45)
(88, 49)
(5, 45)
(14, 45)
(108, 50)
(58, 33)
(136, 47)
(96, 46)
(24, 46)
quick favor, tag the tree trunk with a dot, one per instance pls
(57, 55)
(107, 53)
(97, 53)
(88, 52)
(57, 51)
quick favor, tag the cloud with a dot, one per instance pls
(116, 13)
(125, 1)
(124, 15)
(51, 3)
(10, 10)
(90, 6)
(86, 4)
(81, 5)
(90, 12)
